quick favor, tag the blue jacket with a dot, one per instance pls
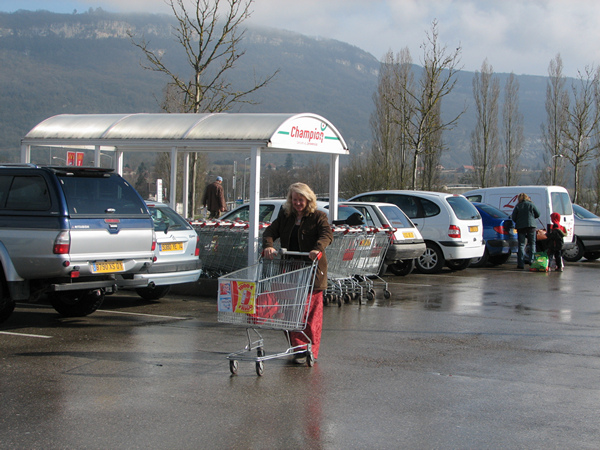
(525, 214)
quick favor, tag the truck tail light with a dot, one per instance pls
(62, 243)
(454, 232)
(153, 240)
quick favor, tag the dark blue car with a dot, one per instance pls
(499, 234)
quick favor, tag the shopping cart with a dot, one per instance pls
(223, 246)
(274, 294)
(354, 262)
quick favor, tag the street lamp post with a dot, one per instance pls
(558, 155)
(60, 159)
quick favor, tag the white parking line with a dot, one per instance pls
(26, 335)
(144, 315)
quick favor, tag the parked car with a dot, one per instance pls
(499, 234)
(407, 244)
(176, 257)
(269, 209)
(449, 223)
(587, 236)
(69, 233)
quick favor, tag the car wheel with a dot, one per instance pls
(591, 256)
(402, 268)
(432, 261)
(575, 253)
(77, 303)
(458, 264)
(497, 260)
(153, 293)
(481, 262)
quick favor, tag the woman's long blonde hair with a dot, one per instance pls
(523, 197)
(306, 192)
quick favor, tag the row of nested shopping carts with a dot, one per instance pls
(355, 257)
(277, 294)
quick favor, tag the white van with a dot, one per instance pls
(548, 199)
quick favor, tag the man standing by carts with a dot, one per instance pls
(214, 199)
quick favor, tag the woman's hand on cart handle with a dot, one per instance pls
(269, 253)
(315, 254)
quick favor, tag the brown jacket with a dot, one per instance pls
(213, 198)
(314, 234)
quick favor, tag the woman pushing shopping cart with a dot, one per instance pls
(300, 227)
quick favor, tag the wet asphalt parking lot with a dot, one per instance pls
(483, 358)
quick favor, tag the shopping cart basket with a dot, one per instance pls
(273, 294)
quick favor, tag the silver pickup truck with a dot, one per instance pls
(71, 234)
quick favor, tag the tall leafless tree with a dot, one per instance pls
(390, 147)
(484, 139)
(512, 121)
(582, 125)
(557, 104)
(424, 124)
(210, 33)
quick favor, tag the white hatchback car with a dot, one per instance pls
(177, 253)
(449, 223)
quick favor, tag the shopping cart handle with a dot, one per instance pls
(285, 251)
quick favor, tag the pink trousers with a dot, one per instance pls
(314, 325)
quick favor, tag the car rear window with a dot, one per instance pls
(396, 217)
(166, 219)
(493, 212)
(463, 208)
(101, 194)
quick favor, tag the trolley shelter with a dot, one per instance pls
(114, 134)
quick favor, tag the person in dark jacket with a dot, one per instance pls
(214, 199)
(524, 215)
(556, 237)
(301, 227)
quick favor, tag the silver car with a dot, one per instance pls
(587, 236)
(407, 243)
(176, 256)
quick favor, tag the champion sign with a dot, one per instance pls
(310, 135)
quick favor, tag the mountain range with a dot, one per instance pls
(85, 63)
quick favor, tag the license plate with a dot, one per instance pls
(473, 229)
(409, 235)
(171, 247)
(107, 267)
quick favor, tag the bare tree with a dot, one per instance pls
(513, 130)
(484, 139)
(424, 122)
(390, 146)
(582, 125)
(557, 104)
(210, 33)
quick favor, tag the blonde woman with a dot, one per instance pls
(301, 227)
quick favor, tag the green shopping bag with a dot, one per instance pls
(539, 263)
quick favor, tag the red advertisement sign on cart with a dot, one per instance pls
(237, 296)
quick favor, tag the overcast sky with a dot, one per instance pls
(520, 36)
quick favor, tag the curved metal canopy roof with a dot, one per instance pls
(190, 132)
(253, 133)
